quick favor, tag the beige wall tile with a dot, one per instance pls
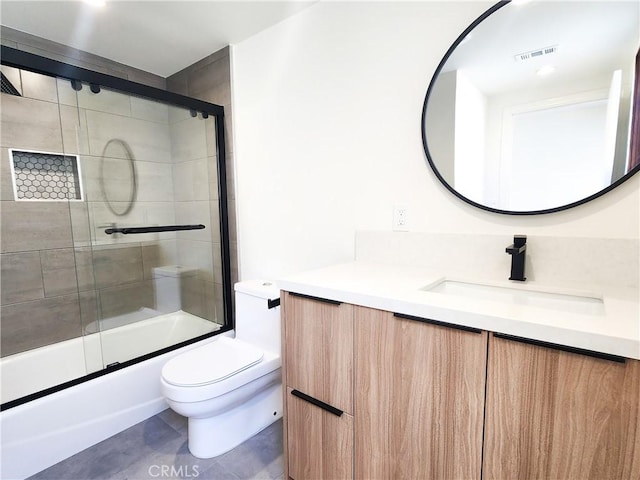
(212, 311)
(13, 75)
(38, 323)
(219, 304)
(230, 170)
(178, 83)
(89, 313)
(191, 180)
(178, 114)
(80, 231)
(192, 296)
(158, 254)
(118, 182)
(39, 87)
(30, 124)
(150, 110)
(147, 140)
(74, 130)
(59, 272)
(29, 226)
(212, 82)
(146, 78)
(210, 126)
(212, 170)
(199, 298)
(233, 225)
(21, 277)
(228, 130)
(154, 182)
(196, 254)
(107, 101)
(188, 139)
(66, 94)
(83, 257)
(8, 43)
(233, 252)
(6, 185)
(125, 299)
(214, 211)
(117, 266)
(193, 213)
(217, 263)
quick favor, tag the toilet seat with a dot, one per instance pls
(211, 363)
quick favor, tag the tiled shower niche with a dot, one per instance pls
(45, 176)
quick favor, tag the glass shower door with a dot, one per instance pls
(43, 227)
(151, 190)
(111, 243)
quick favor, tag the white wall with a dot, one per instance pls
(327, 108)
(469, 139)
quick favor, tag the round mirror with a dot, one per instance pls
(531, 110)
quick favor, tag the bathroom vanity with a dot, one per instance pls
(397, 372)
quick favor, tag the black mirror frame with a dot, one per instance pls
(451, 49)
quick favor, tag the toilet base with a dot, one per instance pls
(213, 436)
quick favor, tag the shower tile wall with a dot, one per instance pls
(210, 80)
(53, 280)
(36, 239)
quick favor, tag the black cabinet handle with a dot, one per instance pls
(273, 303)
(438, 322)
(564, 348)
(316, 299)
(317, 403)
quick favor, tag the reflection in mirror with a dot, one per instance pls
(531, 110)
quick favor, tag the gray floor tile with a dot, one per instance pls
(258, 457)
(171, 418)
(158, 448)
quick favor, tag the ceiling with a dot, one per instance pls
(160, 37)
(591, 38)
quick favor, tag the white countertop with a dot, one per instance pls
(615, 329)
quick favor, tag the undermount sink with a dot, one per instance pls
(586, 305)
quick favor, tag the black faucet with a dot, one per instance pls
(517, 251)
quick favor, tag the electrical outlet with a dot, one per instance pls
(400, 218)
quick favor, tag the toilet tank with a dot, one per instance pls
(257, 320)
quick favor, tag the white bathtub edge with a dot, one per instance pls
(43, 432)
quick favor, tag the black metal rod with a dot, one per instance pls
(318, 403)
(163, 228)
(223, 210)
(564, 348)
(315, 299)
(438, 323)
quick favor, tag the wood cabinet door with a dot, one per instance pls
(552, 414)
(320, 444)
(319, 349)
(419, 398)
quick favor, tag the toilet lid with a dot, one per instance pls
(211, 363)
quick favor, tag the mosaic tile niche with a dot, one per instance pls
(45, 176)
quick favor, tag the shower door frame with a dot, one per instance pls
(53, 68)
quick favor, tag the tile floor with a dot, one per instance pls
(157, 449)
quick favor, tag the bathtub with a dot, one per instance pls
(44, 431)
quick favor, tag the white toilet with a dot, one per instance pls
(231, 388)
